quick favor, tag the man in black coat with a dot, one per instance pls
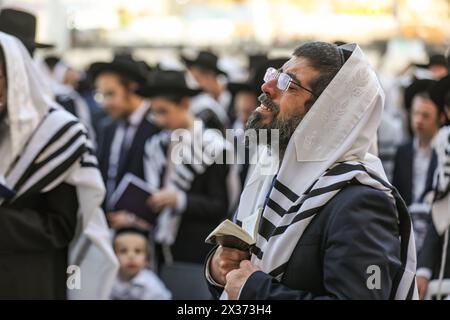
(46, 159)
(416, 160)
(332, 259)
(326, 223)
(190, 190)
(122, 138)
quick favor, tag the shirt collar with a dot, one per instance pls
(428, 149)
(138, 115)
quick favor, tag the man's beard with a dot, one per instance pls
(285, 127)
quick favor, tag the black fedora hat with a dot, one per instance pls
(122, 65)
(162, 83)
(22, 25)
(205, 60)
(416, 87)
(435, 60)
(439, 90)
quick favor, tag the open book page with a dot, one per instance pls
(229, 234)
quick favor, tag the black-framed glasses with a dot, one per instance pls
(283, 79)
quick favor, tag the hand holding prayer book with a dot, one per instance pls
(230, 235)
(131, 195)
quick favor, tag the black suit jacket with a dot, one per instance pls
(358, 228)
(430, 256)
(35, 233)
(207, 206)
(134, 162)
(403, 171)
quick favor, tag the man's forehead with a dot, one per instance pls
(300, 67)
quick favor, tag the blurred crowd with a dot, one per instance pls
(130, 111)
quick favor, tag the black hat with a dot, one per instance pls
(167, 83)
(133, 230)
(123, 65)
(22, 25)
(256, 79)
(51, 61)
(205, 60)
(439, 90)
(435, 60)
(418, 86)
(255, 60)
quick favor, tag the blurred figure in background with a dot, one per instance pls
(135, 280)
(49, 163)
(54, 72)
(434, 258)
(122, 138)
(437, 65)
(205, 71)
(64, 81)
(416, 160)
(194, 194)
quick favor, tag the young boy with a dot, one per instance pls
(135, 281)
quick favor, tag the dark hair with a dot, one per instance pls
(447, 100)
(136, 231)
(2, 62)
(172, 97)
(326, 58)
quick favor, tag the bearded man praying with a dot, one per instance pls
(331, 226)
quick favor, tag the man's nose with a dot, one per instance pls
(270, 88)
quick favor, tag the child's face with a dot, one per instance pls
(132, 254)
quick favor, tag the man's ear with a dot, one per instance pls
(133, 86)
(447, 113)
(443, 116)
(185, 103)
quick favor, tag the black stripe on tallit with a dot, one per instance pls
(332, 187)
(278, 270)
(179, 186)
(85, 164)
(267, 230)
(256, 251)
(411, 290)
(30, 170)
(314, 193)
(59, 170)
(36, 166)
(288, 193)
(344, 168)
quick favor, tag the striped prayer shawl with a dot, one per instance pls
(287, 215)
(59, 142)
(59, 152)
(180, 175)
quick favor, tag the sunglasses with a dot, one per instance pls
(283, 80)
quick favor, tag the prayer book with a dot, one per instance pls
(230, 235)
(131, 195)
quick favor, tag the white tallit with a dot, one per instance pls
(339, 128)
(49, 147)
(441, 207)
(207, 145)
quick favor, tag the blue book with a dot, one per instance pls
(131, 195)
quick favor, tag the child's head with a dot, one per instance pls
(132, 250)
